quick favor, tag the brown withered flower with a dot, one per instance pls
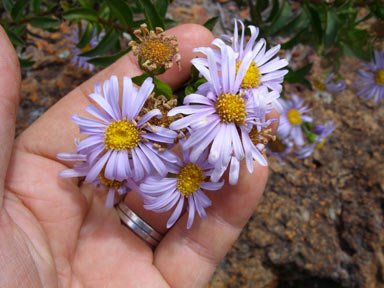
(156, 51)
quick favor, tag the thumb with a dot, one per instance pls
(9, 100)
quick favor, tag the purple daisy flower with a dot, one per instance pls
(222, 116)
(262, 71)
(119, 141)
(280, 148)
(322, 132)
(161, 194)
(291, 119)
(81, 61)
(371, 83)
(329, 85)
(82, 169)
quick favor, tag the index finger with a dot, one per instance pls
(54, 131)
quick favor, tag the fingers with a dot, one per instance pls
(54, 131)
(9, 99)
(195, 253)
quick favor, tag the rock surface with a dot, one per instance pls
(320, 223)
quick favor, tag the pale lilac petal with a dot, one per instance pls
(148, 116)
(137, 168)
(196, 98)
(234, 171)
(92, 109)
(176, 213)
(144, 92)
(212, 186)
(191, 211)
(110, 201)
(97, 167)
(110, 168)
(71, 157)
(155, 160)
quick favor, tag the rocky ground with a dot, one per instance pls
(320, 223)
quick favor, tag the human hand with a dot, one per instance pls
(57, 233)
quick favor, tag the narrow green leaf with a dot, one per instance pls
(122, 11)
(15, 39)
(104, 45)
(281, 19)
(85, 4)
(107, 60)
(298, 76)
(44, 22)
(160, 87)
(162, 7)
(295, 40)
(78, 14)
(332, 27)
(314, 17)
(261, 5)
(210, 23)
(86, 36)
(18, 8)
(25, 63)
(35, 6)
(297, 24)
(8, 5)
(169, 23)
(275, 9)
(152, 16)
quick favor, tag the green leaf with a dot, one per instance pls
(314, 17)
(332, 27)
(79, 14)
(169, 23)
(295, 40)
(85, 4)
(107, 60)
(44, 22)
(18, 8)
(8, 5)
(296, 24)
(162, 7)
(281, 19)
(160, 87)
(210, 23)
(261, 5)
(25, 63)
(298, 76)
(35, 6)
(152, 16)
(122, 11)
(86, 37)
(15, 39)
(104, 45)
(275, 9)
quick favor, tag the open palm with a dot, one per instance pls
(57, 233)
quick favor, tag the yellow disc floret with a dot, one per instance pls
(231, 107)
(86, 48)
(107, 182)
(252, 78)
(379, 77)
(319, 85)
(320, 144)
(189, 179)
(294, 117)
(157, 51)
(121, 135)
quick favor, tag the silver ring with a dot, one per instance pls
(138, 225)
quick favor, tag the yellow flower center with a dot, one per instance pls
(254, 135)
(121, 135)
(231, 107)
(107, 182)
(379, 77)
(157, 51)
(294, 117)
(86, 48)
(252, 78)
(319, 85)
(277, 146)
(189, 179)
(321, 144)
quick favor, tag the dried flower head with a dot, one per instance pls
(156, 50)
